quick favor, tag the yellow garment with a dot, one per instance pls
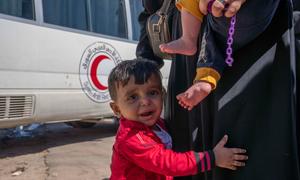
(208, 75)
(191, 6)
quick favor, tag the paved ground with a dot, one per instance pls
(58, 152)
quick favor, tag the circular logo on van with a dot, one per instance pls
(95, 65)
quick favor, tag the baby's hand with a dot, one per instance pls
(218, 7)
(195, 94)
(229, 158)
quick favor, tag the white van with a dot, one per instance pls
(55, 56)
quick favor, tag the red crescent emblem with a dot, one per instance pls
(94, 68)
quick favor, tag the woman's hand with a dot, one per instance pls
(218, 7)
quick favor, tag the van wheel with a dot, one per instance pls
(79, 124)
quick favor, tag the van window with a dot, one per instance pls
(108, 17)
(68, 13)
(19, 8)
(104, 17)
(136, 8)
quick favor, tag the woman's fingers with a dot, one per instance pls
(218, 8)
(233, 7)
(203, 6)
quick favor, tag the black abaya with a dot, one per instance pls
(255, 104)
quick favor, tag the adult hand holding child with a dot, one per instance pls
(228, 8)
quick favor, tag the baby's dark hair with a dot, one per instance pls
(140, 69)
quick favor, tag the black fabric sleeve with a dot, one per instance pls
(296, 4)
(211, 54)
(144, 49)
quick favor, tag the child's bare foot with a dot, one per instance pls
(179, 46)
(195, 94)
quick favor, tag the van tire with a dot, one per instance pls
(79, 124)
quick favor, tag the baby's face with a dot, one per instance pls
(140, 102)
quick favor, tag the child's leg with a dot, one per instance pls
(187, 43)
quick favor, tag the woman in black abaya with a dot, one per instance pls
(254, 102)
